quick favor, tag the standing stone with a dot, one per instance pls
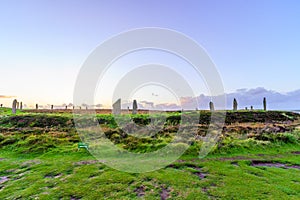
(66, 108)
(211, 106)
(79, 107)
(51, 107)
(73, 107)
(246, 108)
(265, 104)
(86, 107)
(117, 107)
(1, 105)
(251, 107)
(21, 105)
(36, 106)
(14, 106)
(134, 107)
(235, 104)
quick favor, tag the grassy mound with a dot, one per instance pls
(256, 157)
(43, 132)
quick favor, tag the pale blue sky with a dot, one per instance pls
(44, 43)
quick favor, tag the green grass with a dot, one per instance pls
(56, 175)
(40, 159)
(7, 111)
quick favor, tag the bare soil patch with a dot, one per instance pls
(30, 163)
(164, 193)
(256, 163)
(235, 158)
(140, 191)
(3, 179)
(53, 176)
(89, 162)
(198, 172)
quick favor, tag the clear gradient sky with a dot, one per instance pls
(44, 43)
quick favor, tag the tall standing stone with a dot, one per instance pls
(211, 106)
(66, 107)
(117, 107)
(1, 105)
(134, 107)
(235, 104)
(265, 104)
(21, 105)
(36, 106)
(51, 107)
(14, 106)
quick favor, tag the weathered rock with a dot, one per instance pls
(21, 105)
(211, 106)
(235, 104)
(14, 106)
(117, 107)
(134, 107)
(265, 103)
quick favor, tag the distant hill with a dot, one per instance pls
(275, 100)
(245, 97)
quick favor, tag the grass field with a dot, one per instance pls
(257, 157)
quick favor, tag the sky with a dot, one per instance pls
(43, 44)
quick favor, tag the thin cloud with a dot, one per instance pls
(6, 97)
